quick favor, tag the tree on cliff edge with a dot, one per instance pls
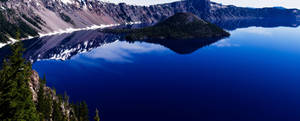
(15, 96)
(81, 111)
(44, 104)
(97, 117)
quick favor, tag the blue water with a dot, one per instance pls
(254, 75)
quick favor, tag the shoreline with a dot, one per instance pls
(68, 30)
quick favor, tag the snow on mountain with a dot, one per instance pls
(140, 2)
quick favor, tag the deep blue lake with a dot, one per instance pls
(254, 75)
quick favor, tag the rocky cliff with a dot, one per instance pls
(30, 17)
(220, 12)
(35, 87)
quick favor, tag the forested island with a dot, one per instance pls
(180, 26)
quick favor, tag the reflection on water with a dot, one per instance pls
(267, 23)
(185, 46)
(121, 51)
(64, 46)
(251, 76)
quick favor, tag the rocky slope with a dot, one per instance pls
(30, 17)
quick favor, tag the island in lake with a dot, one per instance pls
(180, 26)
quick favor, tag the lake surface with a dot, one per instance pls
(254, 75)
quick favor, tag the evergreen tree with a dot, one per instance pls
(97, 118)
(16, 100)
(73, 116)
(66, 99)
(15, 96)
(76, 110)
(44, 105)
(84, 112)
(58, 114)
(81, 111)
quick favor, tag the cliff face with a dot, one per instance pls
(220, 12)
(45, 16)
(200, 7)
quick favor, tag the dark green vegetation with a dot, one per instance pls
(15, 96)
(66, 18)
(17, 87)
(97, 118)
(81, 111)
(44, 101)
(9, 29)
(33, 22)
(180, 26)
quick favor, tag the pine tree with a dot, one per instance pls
(97, 118)
(81, 111)
(16, 100)
(58, 114)
(44, 105)
(66, 99)
(84, 112)
(73, 116)
(76, 110)
(15, 96)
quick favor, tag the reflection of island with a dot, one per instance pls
(184, 46)
(183, 33)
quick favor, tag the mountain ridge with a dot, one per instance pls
(44, 16)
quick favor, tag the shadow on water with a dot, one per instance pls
(187, 46)
(266, 23)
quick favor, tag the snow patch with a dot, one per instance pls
(66, 1)
(64, 54)
(2, 44)
(140, 2)
(12, 41)
(3, 8)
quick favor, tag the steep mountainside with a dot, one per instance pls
(30, 17)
